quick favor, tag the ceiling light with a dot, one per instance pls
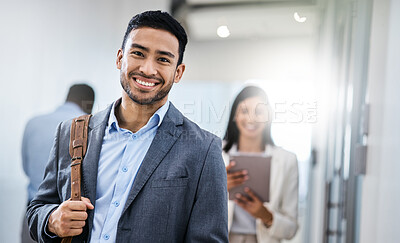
(298, 18)
(223, 31)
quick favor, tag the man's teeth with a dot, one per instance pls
(145, 83)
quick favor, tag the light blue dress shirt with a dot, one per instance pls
(38, 140)
(121, 155)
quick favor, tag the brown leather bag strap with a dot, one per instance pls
(77, 150)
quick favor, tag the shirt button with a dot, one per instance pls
(106, 237)
(124, 169)
(116, 203)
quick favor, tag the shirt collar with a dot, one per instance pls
(158, 117)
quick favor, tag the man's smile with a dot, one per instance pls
(145, 83)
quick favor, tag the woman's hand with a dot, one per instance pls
(236, 178)
(254, 206)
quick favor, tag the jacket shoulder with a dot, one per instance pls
(97, 119)
(196, 132)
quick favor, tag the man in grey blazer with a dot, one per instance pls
(149, 174)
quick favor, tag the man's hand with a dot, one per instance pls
(69, 218)
(235, 178)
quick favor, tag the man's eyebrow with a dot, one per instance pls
(167, 53)
(134, 45)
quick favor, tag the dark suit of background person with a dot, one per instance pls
(39, 136)
(179, 192)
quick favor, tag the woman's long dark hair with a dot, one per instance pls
(232, 132)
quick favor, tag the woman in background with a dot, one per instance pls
(249, 131)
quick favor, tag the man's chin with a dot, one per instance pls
(143, 100)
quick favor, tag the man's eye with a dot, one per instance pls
(137, 53)
(162, 59)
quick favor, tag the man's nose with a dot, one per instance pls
(148, 67)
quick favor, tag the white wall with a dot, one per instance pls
(381, 187)
(45, 46)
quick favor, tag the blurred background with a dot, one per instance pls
(330, 68)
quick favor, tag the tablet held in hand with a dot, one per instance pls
(258, 171)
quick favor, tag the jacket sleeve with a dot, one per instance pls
(284, 224)
(209, 218)
(46, 199)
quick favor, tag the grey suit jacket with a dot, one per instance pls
(179, 194)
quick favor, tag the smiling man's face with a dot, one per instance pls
(148, 65)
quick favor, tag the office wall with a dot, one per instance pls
(381, 187)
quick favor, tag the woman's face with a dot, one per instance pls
(252, 117)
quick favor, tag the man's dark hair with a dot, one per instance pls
(159, 20)
(232, 131)
(82, 95)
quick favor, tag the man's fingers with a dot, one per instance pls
(76, 205)
(78, 215)
(77, 224)
(89, 205)
(69, 218)
(79, 205)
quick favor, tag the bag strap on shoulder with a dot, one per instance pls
(77, 150)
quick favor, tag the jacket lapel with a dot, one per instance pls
(166, 136)
(97, 126)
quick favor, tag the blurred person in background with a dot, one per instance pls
(249, 131)
(39, 136)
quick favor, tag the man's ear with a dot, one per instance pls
(120, 54)
(179, 72)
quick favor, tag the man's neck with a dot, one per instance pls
(133, 116)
